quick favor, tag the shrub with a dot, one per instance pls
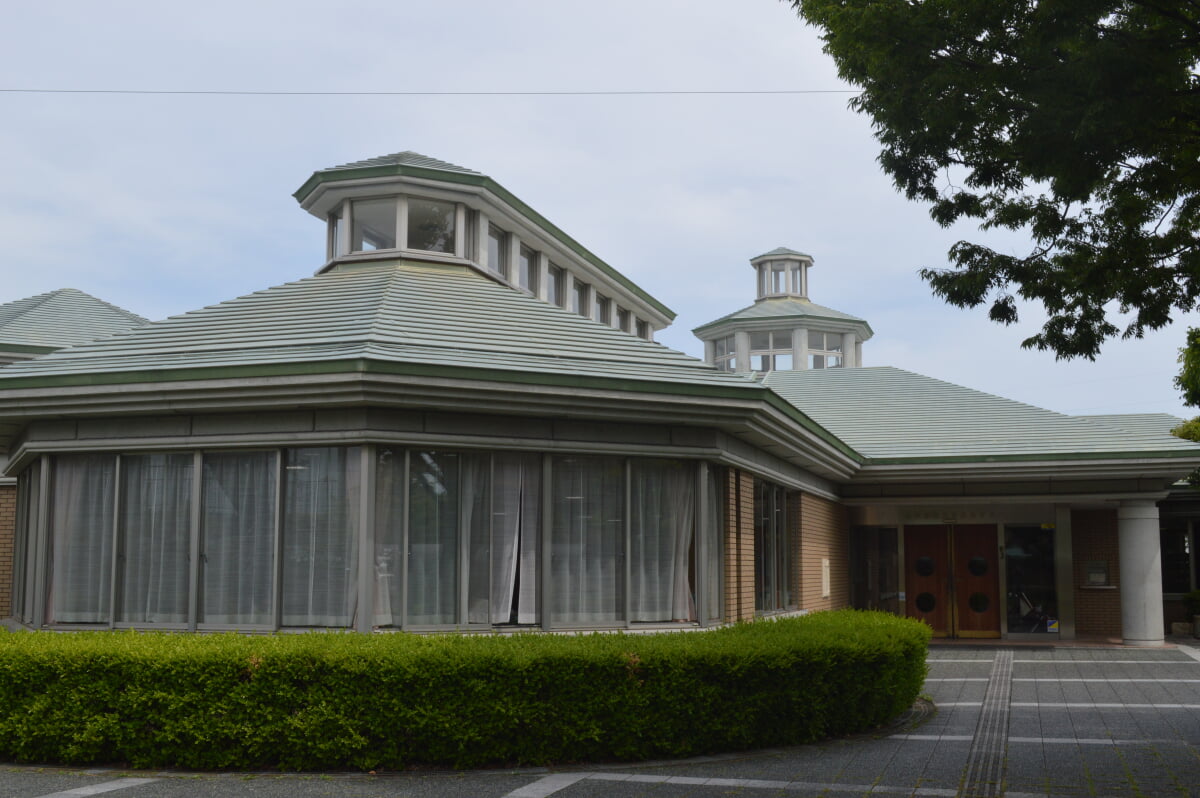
(338, 700)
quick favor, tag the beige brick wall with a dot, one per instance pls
(1094, 537)
(8, 524)
(825, 534)
(739, 546)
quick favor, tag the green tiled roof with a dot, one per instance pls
(785, 307)
(392, 311)
(887, 414)
(406, 158)
(1148, 422)
(61, 318)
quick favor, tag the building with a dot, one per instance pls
(462, 421)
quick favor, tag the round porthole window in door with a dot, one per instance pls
(924, 566)
(926, 602)
(979, 602)
(977, 566)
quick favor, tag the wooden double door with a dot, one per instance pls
(952, 578)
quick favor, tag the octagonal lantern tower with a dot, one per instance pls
(783, 330)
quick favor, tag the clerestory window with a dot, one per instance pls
(825, 350)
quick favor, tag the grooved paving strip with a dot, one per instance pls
(985, 763)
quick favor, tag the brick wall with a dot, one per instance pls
(8, 524)
(1094, 537)
(826, 535)
(739, 545)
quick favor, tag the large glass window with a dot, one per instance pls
(556, 287)
(320, 536)
(725, 353)
(81, 538)
(1032, 595)
(771, 350)
(579, 302)
(373, 224)
(155, 534)
(433, 536)
(527, 269)
(773, 556)
(458, 540)
(431, 225)
(587, 541)
(237, 538)
(497, 251)
(824, 350)
(662, 514)
(1179, 562)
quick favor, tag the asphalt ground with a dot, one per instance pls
(995, 721)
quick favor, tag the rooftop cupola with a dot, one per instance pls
(782, 272)
(783, 330)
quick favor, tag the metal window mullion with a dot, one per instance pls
(546, 528)
(277, 531)
(464, 545)
(118, 542)
(194, 551)
(404, 498)
(366, 539)
(42, 544)
(700, 538)
(491, 527)
(626, 541)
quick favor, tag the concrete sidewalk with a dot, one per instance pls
(1006, 721)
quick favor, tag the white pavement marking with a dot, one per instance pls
(1097, 705)
(1192, 652)
(1123, 681)
(1103, 661)
(1092, 741)
(547, 785)
(558, 781)
(97, 789)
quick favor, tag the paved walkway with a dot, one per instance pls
(1015, 722)
(1004, 721)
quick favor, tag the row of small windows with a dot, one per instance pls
(772, 351)
(414, 223)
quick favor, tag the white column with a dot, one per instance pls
(848, 352)
(800, 348)
(543, 276)
(481, 242)
(858, 353)
(741, 340)
(710, 351)
(1141, 573)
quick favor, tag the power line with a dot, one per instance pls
(598, 93)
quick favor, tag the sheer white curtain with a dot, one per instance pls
(155, 530)
(475, 501)
(516, 523)
(587, 541)
(433, 530)
(81, 535)
(663, 497)
(320, 536)
(238, 538)
(389, 520)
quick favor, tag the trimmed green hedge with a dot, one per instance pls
(329, 701)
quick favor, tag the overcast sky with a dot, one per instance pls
(165, 203)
